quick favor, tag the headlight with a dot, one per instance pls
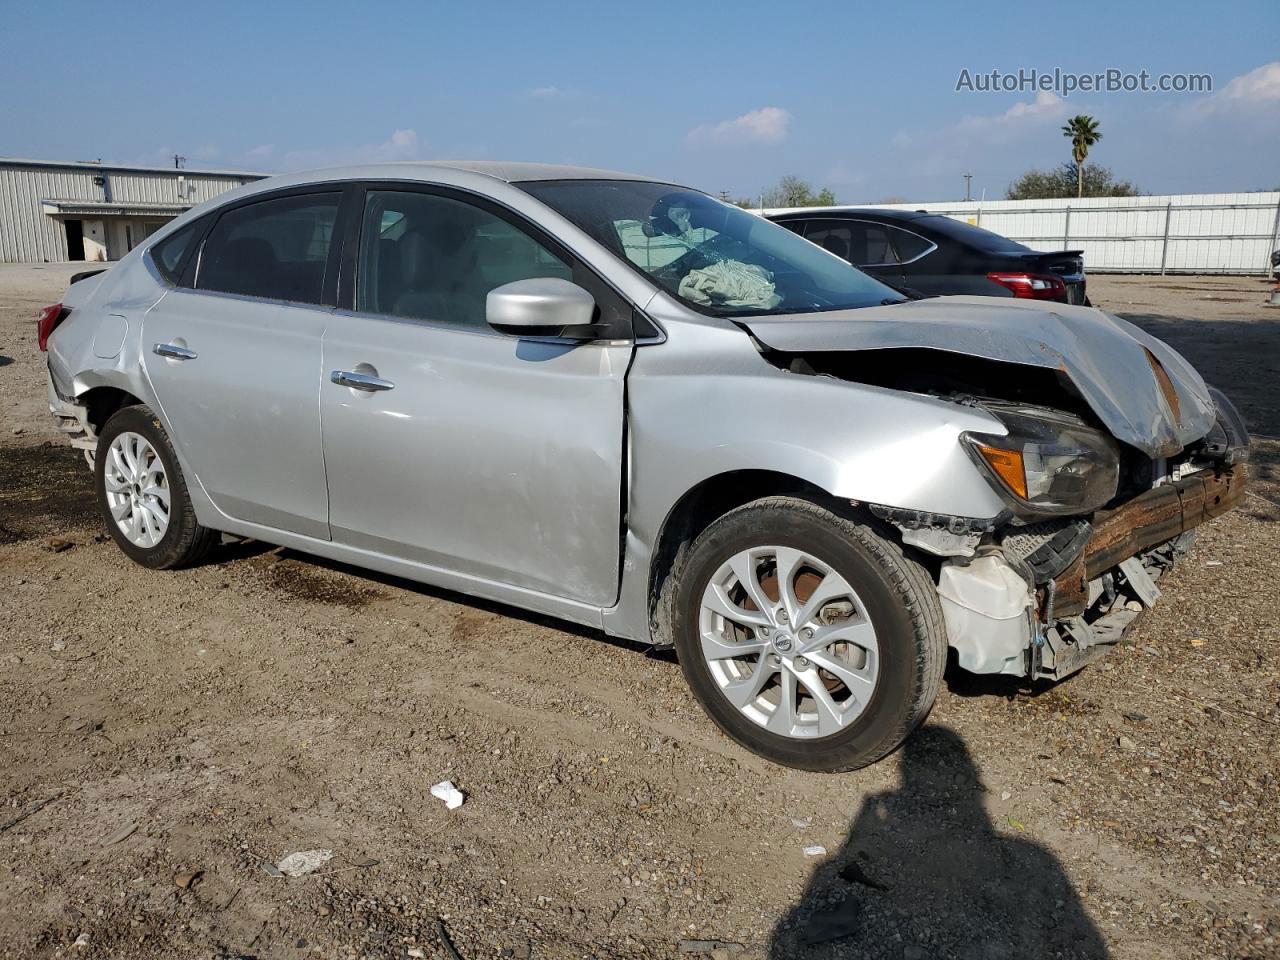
(1050, 462)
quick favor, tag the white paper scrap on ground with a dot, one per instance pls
(817, 850)
(450, 794)
(303, 862)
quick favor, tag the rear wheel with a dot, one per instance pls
(808, 638)
(142, 494)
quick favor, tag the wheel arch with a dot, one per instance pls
(700, 506)
(102, 401)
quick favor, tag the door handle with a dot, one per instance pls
(360, 381)
(173, 352)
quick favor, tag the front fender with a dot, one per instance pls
(692, 418)
(706, 403)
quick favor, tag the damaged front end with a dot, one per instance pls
(1041, 598)
(1110, 450)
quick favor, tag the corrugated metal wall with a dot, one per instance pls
(28, 234)
(1187, 233)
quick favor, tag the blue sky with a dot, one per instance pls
(858, 97)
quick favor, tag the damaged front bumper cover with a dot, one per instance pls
(1052, 610)
(1091, 605)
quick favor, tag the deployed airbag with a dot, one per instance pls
(731, 283)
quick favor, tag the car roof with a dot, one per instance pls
(470, 174)
(837, 212)
(508, 171)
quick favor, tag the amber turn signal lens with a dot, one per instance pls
(1007, 465)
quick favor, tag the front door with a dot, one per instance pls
(481, 454)
(235, 362)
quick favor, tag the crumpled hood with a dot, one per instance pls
(1112, 363)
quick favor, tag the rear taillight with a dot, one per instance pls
(50, 317)
(1032, 286)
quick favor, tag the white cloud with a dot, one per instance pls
(1045, 107)
(1259, 89)
(1257, 86)
(766, 125)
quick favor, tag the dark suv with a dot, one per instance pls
(936, 256)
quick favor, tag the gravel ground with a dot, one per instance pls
(185, 730)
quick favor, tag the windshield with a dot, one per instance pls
(715, 257)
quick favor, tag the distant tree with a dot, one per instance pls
(794, 192)
(892, 200)
(1083, 133)
(1063, 182)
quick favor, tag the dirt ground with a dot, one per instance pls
(166, 737)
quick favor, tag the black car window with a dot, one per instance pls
(431, 257)
(832, 235)
(171, 253)
(862, 243)
(276, 249)
(908, 245)
(876, 239)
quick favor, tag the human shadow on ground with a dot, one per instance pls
(924, 874)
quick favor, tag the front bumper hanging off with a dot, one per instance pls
(1151, 518)
(1121, 543)
(1050, 608)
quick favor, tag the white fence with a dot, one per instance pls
(1191, 233)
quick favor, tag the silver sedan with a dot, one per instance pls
(623, 403)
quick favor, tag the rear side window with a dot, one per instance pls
(832, 236)
(275, 249)
(171, 253)
(909, 245)
(861, 243)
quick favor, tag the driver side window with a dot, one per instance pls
(430, 257)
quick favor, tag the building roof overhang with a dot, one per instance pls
(103, 208)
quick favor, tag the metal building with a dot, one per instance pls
(53, 211)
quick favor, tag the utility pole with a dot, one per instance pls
(724, 196)
(179, 162)
(968, 179)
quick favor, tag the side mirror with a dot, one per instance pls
(542, 307)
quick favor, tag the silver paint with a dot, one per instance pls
(539, 302)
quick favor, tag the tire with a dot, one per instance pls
(890, 591)
(183, 541)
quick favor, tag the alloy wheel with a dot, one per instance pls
(137, 489)
(788, 642)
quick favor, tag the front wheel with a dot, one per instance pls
(808, 638)
(142, 494)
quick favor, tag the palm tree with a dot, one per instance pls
(1083, 133)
